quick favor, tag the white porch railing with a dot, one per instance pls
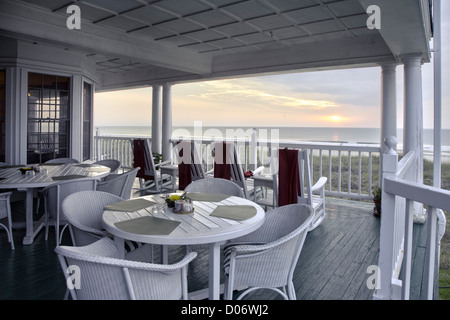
(352, 169)
(333, 160)
(400, 199)
(115, 147)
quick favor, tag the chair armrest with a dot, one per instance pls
(243, 249)
(258, 170)
(169, 167)
(90, 230)
(319, 185)
(264, 178)
(163, 163)
(157, 267)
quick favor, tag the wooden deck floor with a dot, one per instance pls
(332, 265)
(335, 257)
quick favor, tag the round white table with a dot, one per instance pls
(12, 178)
(199, 227)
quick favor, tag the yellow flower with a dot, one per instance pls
(174, 197)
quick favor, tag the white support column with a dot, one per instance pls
(76, 118)
(389, 104)
(167, 122)
(413, 113)
(413, 121)
(437, 65)
(156, 119)
(16, 115)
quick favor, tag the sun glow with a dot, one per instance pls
(335, 118)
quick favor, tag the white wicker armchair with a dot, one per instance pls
(54, 196)
(113, 164)
(5, 213)
(227, 153)
(83, 211)
(215, 185)
(119, 184)
(103, 276)
(266, 258)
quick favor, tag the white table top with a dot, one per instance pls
(195, 228)
(12, 178)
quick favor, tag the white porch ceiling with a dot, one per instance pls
(141, 42)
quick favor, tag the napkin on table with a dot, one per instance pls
(203, 196)
(148, 226)
(236, 212)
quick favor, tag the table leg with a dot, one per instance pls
(32, 228)
(214, 271)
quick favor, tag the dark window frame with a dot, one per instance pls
(49, 117)
(2, 115)
(88, 102)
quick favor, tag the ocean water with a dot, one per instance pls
(313, 134)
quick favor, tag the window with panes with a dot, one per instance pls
(2, 115)
(48, 117)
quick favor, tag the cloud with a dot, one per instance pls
(359, 86)
(255, 92)
(259, 102)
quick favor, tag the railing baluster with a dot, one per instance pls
(407, 245)
(430, 252)
(359, 172)
(111, 150)
(108, 152)
(246, 157)
(349, 177)
(123, 150)
(339, 171)
(320, 163)
(114, 145)
(329, 170)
